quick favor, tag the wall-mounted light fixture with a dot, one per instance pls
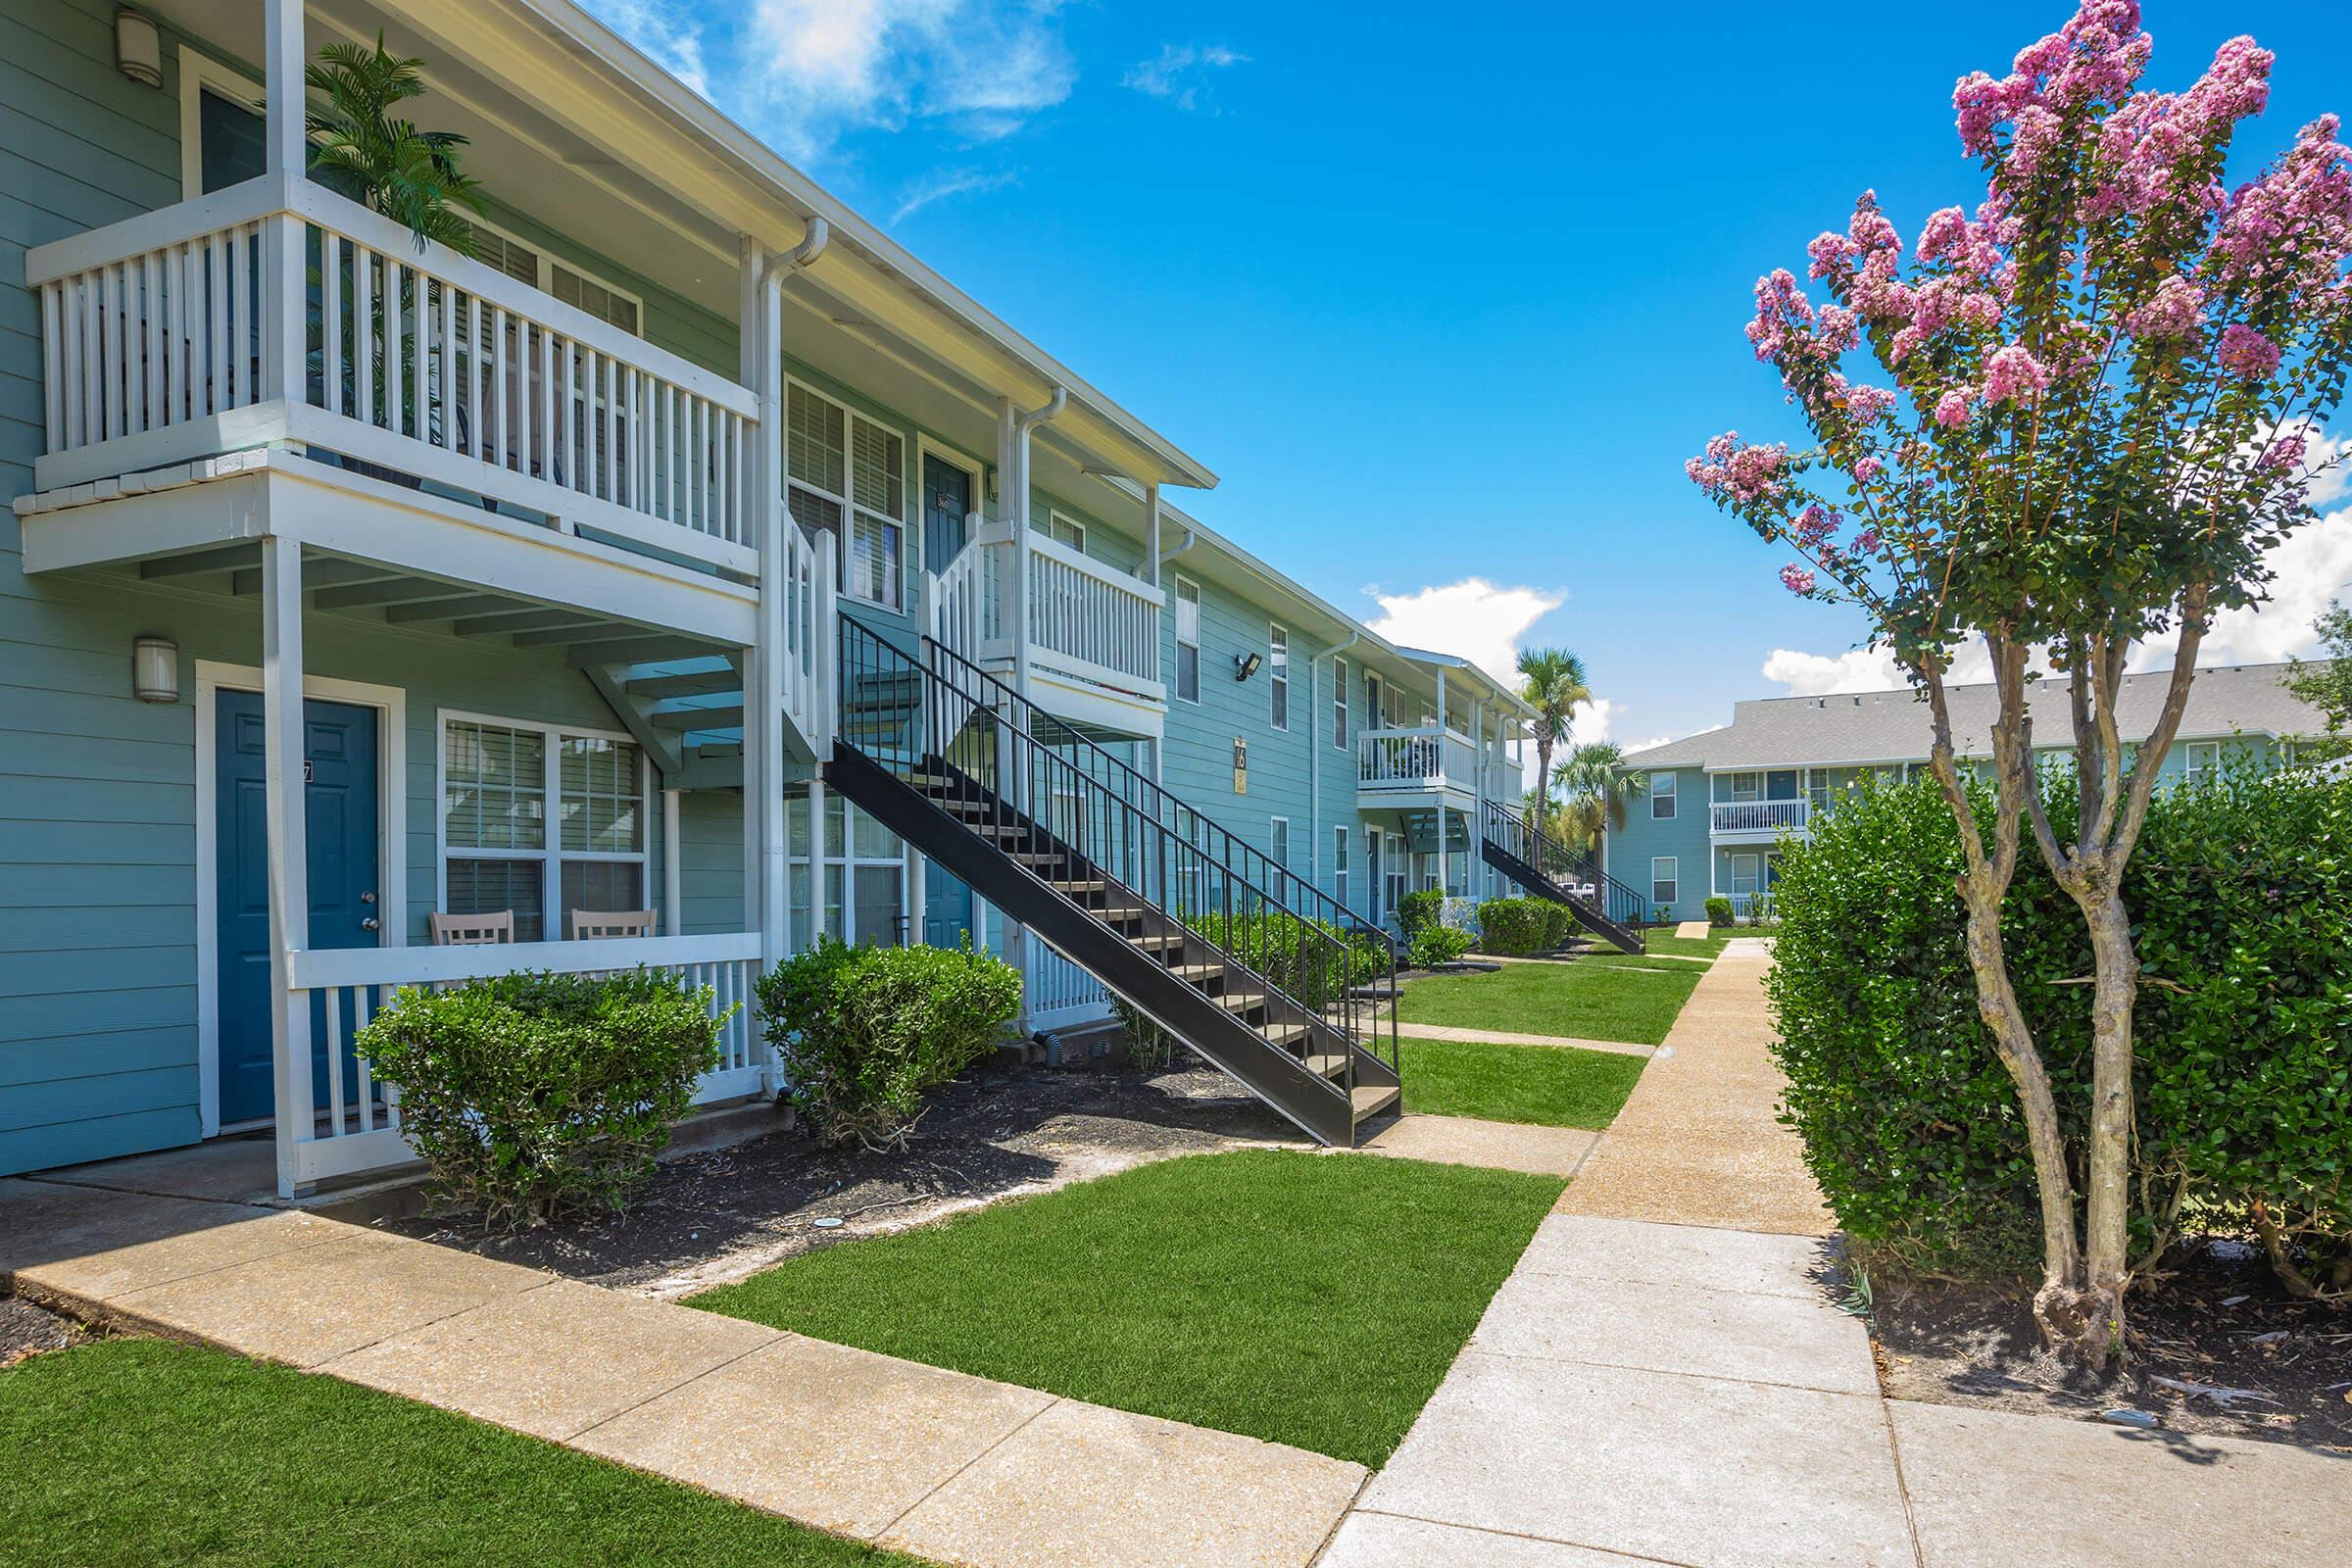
(138, 49)
(1246, 665)
(155, 670)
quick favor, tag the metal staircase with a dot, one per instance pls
(1258, 970)
(1549, 869)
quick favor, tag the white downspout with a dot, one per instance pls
(1013, 429)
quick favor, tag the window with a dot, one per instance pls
(1339, 861)
(1747, 786)
(600, 300)
(1664, 887)
(509, 255)
(1278, 677)
(1061, 530)
(1746, 871)
(863, 860)
(2204, 761)
(1188, 640)
(502, 783)
(1339, 704)
(1661, 797)
(848, 479)
(1278, 839)
(1371, 701)
(1393, 873)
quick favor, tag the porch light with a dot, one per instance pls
(1246, 665)
(155, 670)
(138, 52)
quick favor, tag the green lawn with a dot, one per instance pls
(1306, 1299)
(143, 1451)
(1552, 1086)
(1599, 997)
(1667, 942)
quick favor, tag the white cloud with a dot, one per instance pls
(942, 183)
(2313, 566)
(1178, 72)
(1473, 620)
(805, 74)
(1857, 669)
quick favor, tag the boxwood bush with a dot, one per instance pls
(1521, 926)
(1436, 945)
(866, 1033)
(532, 1095)
(1719, 911)
(1309, 960)
(2242, 896)
(1417, 909)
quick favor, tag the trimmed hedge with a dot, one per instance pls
(1719, 911)
(534, 1095)
(1436, 945)
(1308, 959)
(1417, 909)
(866, 1033)
(1516, 927)
(2241, 897)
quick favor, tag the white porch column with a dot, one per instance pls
(286, 813)
(763, 704)
(1012, 510)
(283, 339)
(1445, 861)
(673, 876)
(1151, 534)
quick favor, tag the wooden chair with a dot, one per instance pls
(470, 930)
(588, 925)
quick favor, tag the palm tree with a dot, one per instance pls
(358, 147)
(1553, 684)
(1596, 794)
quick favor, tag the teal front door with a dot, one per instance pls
(946, 909)
(340, 752)
(946, 502)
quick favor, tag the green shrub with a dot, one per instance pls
(1315, 962)
(1719, 911)
(1516, 926)
(1418, 909)
(2242, 896)
(1436, 945)
(1560, 924)
(1149, 1048)
(534, 1095)
(866, 1033)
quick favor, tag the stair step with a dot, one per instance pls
(1327, 1065)
(1195, 973)
(1122, 914)
(1241, 1000)
(1159, 941)
(1073, 890)
(1286, 1034)
(1370, 1100)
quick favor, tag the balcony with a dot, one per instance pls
(1404, 766)
(1093, 629)
(1760, 820)
(277, 314)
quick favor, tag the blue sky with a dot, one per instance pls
(1441, 293)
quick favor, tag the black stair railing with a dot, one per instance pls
(1094, 816)
(1572, 871)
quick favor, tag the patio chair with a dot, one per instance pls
(470, 930)
(588, 925)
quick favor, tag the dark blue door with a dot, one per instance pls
(946, 502)
(946, 909)
(339, 748)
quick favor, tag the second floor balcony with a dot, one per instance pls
(1759, 819)
(1395, 765)
(1094, 631)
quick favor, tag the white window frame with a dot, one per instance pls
(1338, 864)
(1054, 522)
(1278, 677)
(1176, 603)
(1339, 704)
(551, 852)
(1278, 841)
(1673, 878)
(840, 852)
(2194, 772)
(895, 604)
(1662, 791)
(929, 446)
(1396, 870)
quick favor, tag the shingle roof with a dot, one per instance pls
(1893, 726)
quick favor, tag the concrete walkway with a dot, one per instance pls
(930, 1462)
(1664, 1378)
(1506, 1037)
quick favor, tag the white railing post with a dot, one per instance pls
(286, 811)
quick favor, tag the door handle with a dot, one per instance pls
(371, 923)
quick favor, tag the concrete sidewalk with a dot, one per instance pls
(1506, 1037)
(929, 1462)
(1664, 1378)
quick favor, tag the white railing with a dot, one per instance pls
(965, 606)
(1758, 816)
(1098, 618)
(359, 1127)
(1425, 758)
(186, 331)
(1059, 993)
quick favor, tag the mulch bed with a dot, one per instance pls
(706, 1218)
(2217, 1349)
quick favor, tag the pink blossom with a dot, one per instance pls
(1815, 527)
(1867, 470)
(1796, 579)
(2175, 311)
(1737, 474)
(1866, 543)
(1833, 257)
(2036, 132)
(1952, 410)
(2246, 353)
(1944, 234)
(1868, 404)
(2283, 454)
(2013, 372)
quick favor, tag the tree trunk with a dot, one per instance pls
(2058, 1306)
(2115, 969)
(1542, 777)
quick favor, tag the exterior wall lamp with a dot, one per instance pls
(1246, 665)
(155, 670)
(138, 49)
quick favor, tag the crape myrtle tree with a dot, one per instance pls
(2085, 422)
